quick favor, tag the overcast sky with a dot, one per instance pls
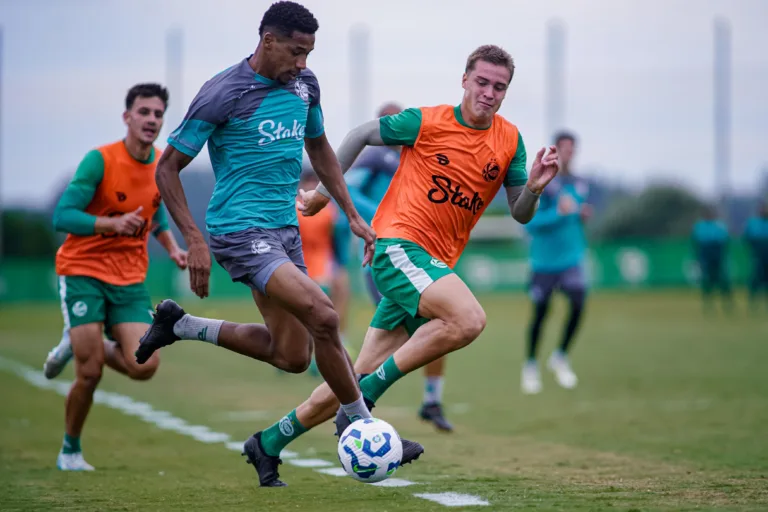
(639, 74)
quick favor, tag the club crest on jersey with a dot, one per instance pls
(302, 91)
(491, 170)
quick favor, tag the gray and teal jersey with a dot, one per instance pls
(557, 242)
(710, 240)
(255, 129)
(756, 235)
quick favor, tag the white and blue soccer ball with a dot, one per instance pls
(370, 450)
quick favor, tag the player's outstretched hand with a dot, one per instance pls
(311, 202)
(199, 263)
(128, 223)
(361, 229)
(545, 168)
(179, 257)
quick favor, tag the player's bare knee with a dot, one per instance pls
(471, 325)
(88, 374)
(296, 363)
(324, 322)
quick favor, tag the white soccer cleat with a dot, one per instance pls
(73, 462)
(58, 357)
(530, 380)
(559, 365)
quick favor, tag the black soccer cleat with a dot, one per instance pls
(160, 333)
(433, 413)
(265, 465)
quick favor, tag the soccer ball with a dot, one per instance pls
(370, 450)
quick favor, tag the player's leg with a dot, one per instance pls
(129, 313)
(707, 284)
(724, 286)
(253, 257)
(421, 286)
(61, 354)
(340, 293)
(264, 447)
(84, 313)
(432, 403)
(540, 290)
(431, 408)
(574, 286)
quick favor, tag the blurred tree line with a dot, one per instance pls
(658, 211)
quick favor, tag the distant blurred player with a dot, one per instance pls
(368, 181)
(108, 209)
(325, 240)
(756, 235)
(710, 242)
(557, 253)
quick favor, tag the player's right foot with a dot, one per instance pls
(58, 357)
(530, 380)
(433, 413)
(160, 333)
(559, 365)
(72, 462)
(265, 465)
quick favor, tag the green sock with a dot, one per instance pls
(375, 384)
(279, 435)
(70, 444)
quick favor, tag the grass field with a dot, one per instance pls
(671, 413)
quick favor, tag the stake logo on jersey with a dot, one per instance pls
(446, 190)
(273, 131)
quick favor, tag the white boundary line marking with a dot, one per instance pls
(166, 421)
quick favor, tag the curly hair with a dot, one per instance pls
(286, 17)
(493, 55)
(146, 91)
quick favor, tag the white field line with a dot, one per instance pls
(166, 421)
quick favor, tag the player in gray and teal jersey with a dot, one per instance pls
(256, 117)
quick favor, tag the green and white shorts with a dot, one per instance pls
(85, 300)
(402, 270)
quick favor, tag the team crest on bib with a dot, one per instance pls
(491, 170)
(79, 309)
(302, 91)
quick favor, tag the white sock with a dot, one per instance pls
(433, 390)
(356, 410)
(195, 328)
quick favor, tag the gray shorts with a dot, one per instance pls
(251, 256)
(570, 281)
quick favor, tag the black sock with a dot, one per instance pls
(577, 307)
(534, 330)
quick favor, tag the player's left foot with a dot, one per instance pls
(265, 465)
(559, 365)
(160, 333)
(58, 357)
(434, 414)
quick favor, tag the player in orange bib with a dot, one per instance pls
(108, 209)
(453, 162)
